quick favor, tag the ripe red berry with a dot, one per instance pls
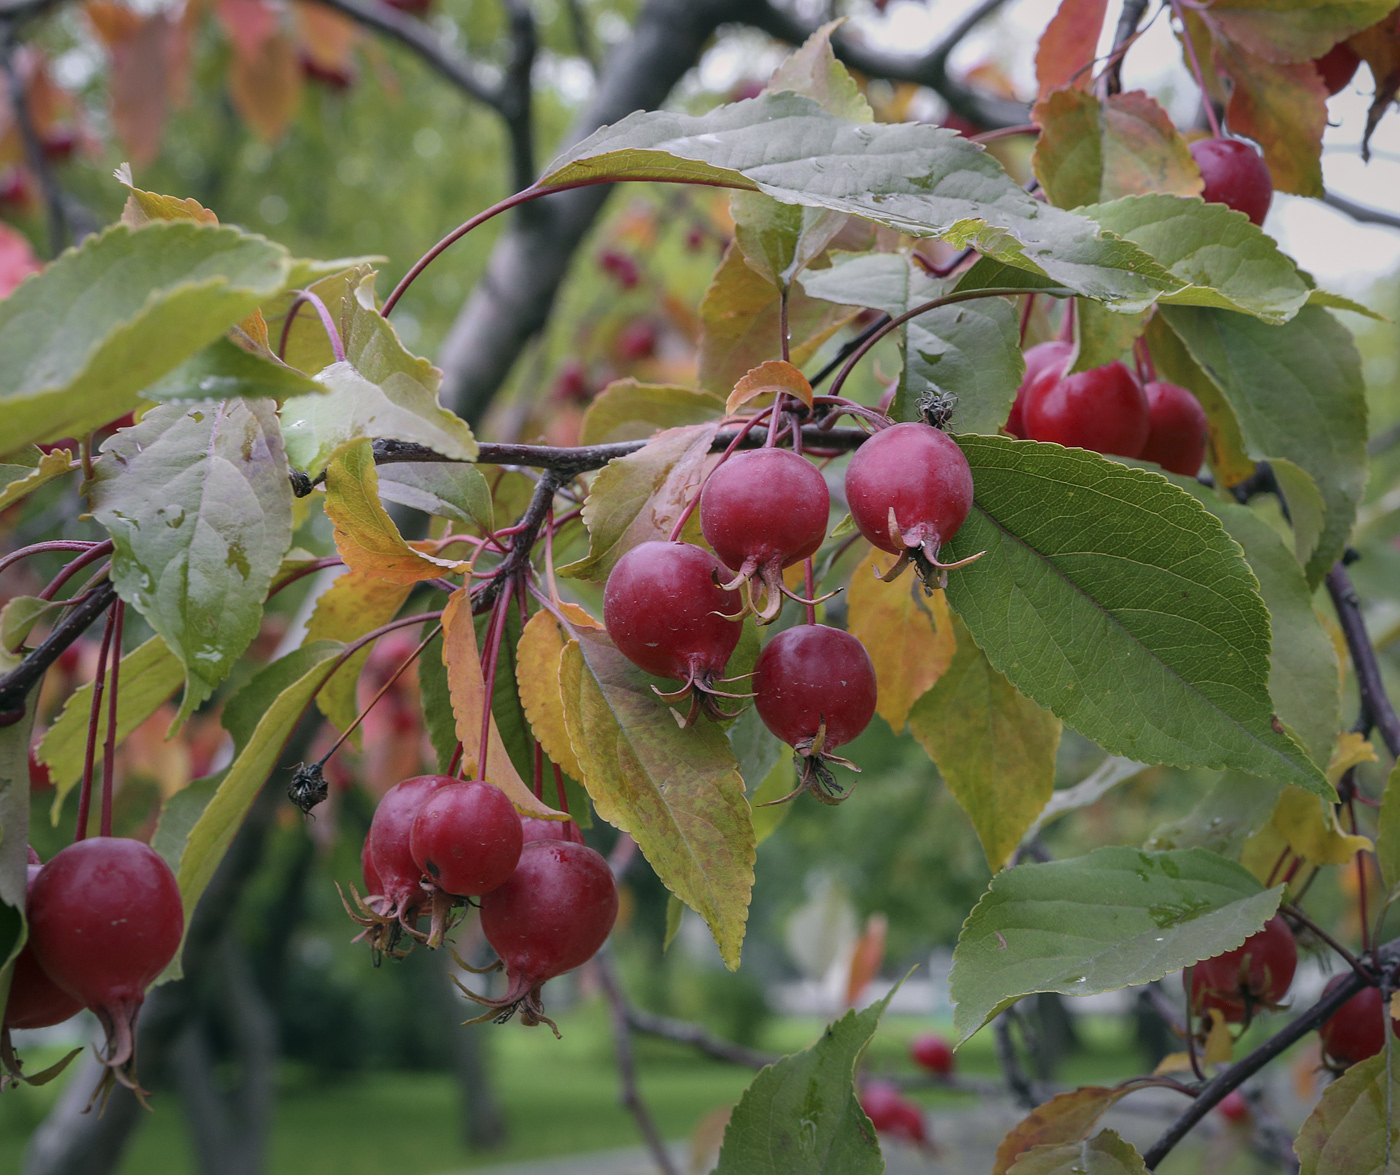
(890, 1113)
(551, 916)
(1257, 973)
(466, 837)
(620, 267)
(534, 828)
(1039, 358)
(105, 918)
(1233, 1107)
(1236, 175)
(815, 690)
(636, 341)
(1103, 409)
(909, 489)
(390, 854)
(667, 613)
(762, 511)
(36, 1001)
(572, 383)
(333, 77)
(1356, 1030)
(40, 778)
(1179, 431)
(934, 1053)
(1337, 66)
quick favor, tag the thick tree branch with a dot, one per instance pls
(1128, 22)
(15, 685)
(1360, 212)
(1376, 708)
(517, 94)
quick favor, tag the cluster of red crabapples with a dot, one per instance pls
(1256, 976)
(105, 919)
(547, 900)
(675, 609)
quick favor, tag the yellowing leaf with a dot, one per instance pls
(365, 535)
(1065, 53)
(1283, 107)
(1309, 827)
(537, 678)
(909, 636)
(142, 207)
(468, 690)
(266, 86)
(356, 603)
(1220, 1043)
(994, 747)
(1173, 1063)
(1063, 1119)
(1351, 750)
(21, 480)
(770, 379)
(677, 792)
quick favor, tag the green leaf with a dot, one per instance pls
(1104, 1154)
(1101, 334)
(179, 814)
(14, 835)
(224, 370)
(150, 673)
(452, 490)
(436, 700)
(813, 71)
(1065, 1118)
(626, 410)
(1307, 511)
(970, 349)
(1112, 919)
(637, 498)
(1295, 30)
(1351, 1131)
(197, 502)
(994, 747)
(1114, 600)
(1298, 393)
(1388, 833)
(1304, 677)
(81, 340)
(922, 180)
(1089, 151)
(801, 1113)
(260, 730)
(18, 618)
(675, 911)
(678, 792)
(1228, 260)
(30, 470)
(1223, 819)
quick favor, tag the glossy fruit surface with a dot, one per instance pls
(1256, 973)
(917, 472)
(35, 1000)
(390, 833)
(533, 828)
(467, 837)
(765, 505)
(1356, 1030)
(1179, 432)
(1236, 175)
(553, 914)
(809, 675)
(1337, 66)
(1103, 409)
(932, 1052)
(105, 918)
(665, 610)
(1039, 358)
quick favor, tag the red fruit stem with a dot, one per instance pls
(490, 655)
(91, 555)
(1066, 331)
(1360, 882)
(383, 689)
(310, 569)
(109, 749)
(1196, 69)
(1142, 357)
(538, 774)
(456, 760)
(923, 308)
(1292, 911)
(327, 322)
(1282, 857)
(560, 790)
(94, 715)
(1026, 308)
(1005, 132)
(783, 323)
(40, 548)
(1190, 1035)
(772, 413)
(809, 580)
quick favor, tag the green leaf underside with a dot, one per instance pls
(260, 730)
(970, 350)
(14, 836)
(224, 370)
(80, 341)
(1348, 1131)
(449, 489)
(678, 792)
(923, 180)
(150, 673)
(197, 502)
(436, 700)
(1297, 392)
(1125, 610)
(1111, 919)
(801, 1113)
(626, 410)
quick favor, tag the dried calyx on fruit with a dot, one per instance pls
(667, 611)
(909, 490)
(1255, 975)
(761, 511)
(815, 689)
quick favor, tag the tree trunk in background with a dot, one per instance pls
(513, 299)
(483, 1127)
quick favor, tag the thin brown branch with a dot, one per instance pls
(1361, 212)
(517, 95)
(697, 1037)
(1376, 708)
(1128, 21)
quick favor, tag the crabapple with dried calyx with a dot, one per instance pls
(814, 688)
(551, 916)
(1256, 974)
(667, 612)
(105, 919)
(761, 511)
(909, 490)
(1103, 409)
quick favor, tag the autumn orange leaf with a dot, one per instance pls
(769, 379)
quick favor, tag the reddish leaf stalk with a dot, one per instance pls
(39, 548)
(91, 555)
(94, 716)
(1196, 69)
(490, 655)
(327, 322)
(109, 750)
